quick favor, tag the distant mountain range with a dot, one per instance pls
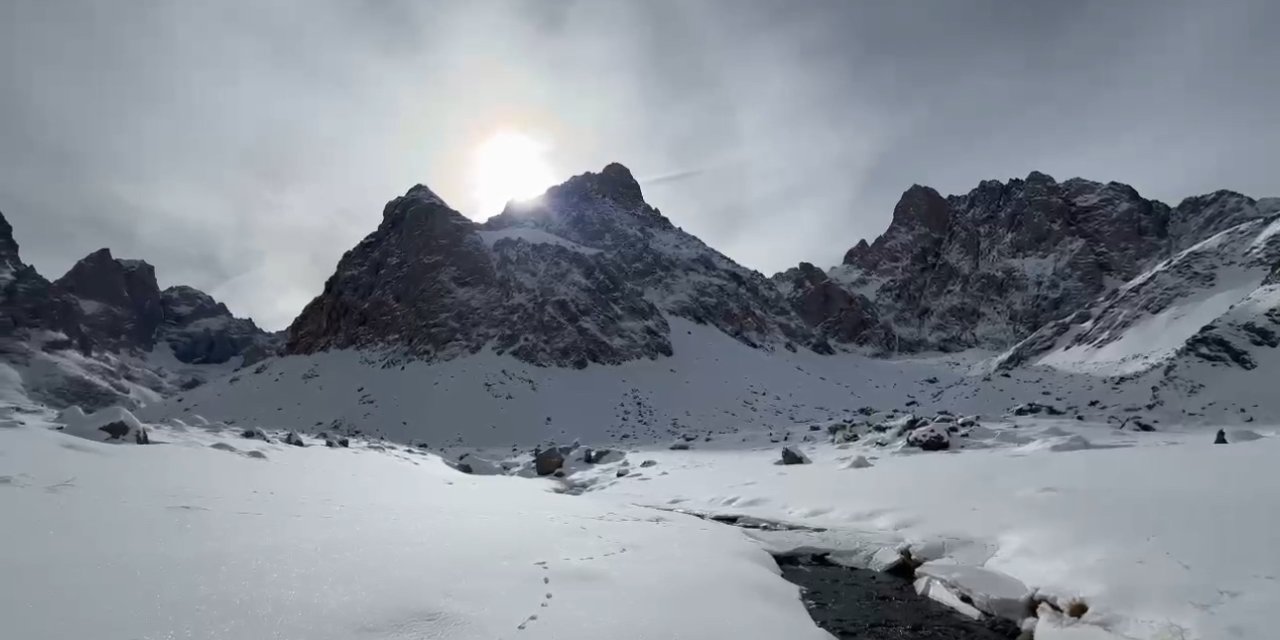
(1079, 277)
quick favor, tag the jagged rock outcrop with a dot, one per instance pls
(834, 313)
(678, 272)
(1212, 300)
(586, 273)
(77, 330)
(201, 330)
(119, 300)
(26, 300)
(991, 267)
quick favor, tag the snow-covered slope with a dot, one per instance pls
(1159, 536)
(1150, 318)
(709, 386)
(587, 314)
(196, 538)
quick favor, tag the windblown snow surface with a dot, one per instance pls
(208, 534)
(211, 535)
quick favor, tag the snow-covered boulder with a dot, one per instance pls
(901, 425)
(254, 433)
(933, 437)
(601, 456)
(793, 456)
(1035, 409)
(480, 466)
(113, 424)
(294, 439)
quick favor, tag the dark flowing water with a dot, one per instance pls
(857, 604)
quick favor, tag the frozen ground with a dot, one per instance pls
(207, 534)
(196, 539)
(1162, 535)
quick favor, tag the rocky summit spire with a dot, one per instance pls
(8, 246)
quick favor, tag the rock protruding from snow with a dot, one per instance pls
(548, 461)
(115, 425)
(791, 455)
(932, 437)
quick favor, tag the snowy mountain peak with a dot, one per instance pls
(988, 268)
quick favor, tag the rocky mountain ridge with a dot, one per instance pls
(91, 337)
(991, 267)
(591, 274)
(585, 274)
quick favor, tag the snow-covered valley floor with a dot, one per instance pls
(1159, 535)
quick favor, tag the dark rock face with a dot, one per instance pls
(683, 276)
(1185, 279)
(113, 305)
(27, 300)
(991, 267)
(201, 330)
(835, 314)
(587, 273)
(119, 300)
(1221, 437)
(427, 282)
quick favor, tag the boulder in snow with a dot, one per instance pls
(254, 433)
(1221, 438)
(113, 424)
(793, 456)
(547, 462)
(294, 439)
(931, 437)
(1036, 408)
(601, 456)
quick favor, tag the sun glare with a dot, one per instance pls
(508, 165)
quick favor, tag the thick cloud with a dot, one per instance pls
(243, 146)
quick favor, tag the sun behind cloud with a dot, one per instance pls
(508, 165)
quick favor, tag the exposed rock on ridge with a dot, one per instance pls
(583, 274)
(989, 268)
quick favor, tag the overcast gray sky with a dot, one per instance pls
(241, 147)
